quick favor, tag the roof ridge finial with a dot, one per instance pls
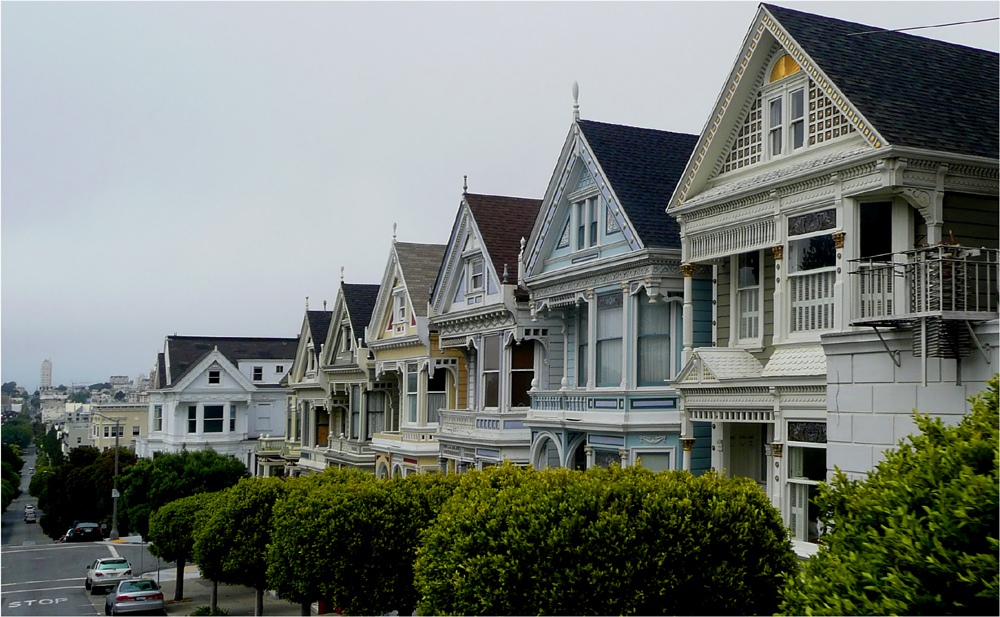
(307, 303)
(324, 306)
(394, 232)
(576, 101)
(465, 185)
(341, 275)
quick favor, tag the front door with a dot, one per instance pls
(746, 452)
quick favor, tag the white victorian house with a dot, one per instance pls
(221, 393)
(844, 192)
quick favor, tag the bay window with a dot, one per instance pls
(376, 412)
(411, 392)
(355, 411)
(582, 337)
(522, 371)
(437, 394)
(213, 415)
(812, 270)
(609, 339)
(653, 342)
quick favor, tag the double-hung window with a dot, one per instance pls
(522, 371)
(214, 377)
(807, 468)
(437, 394)
(812, 270)
(785, 102)
(654, 351)
(355, 411)
(399, 313)
(491, 371)
(232, 417)
(135, 431)
(157, 417)
(412, 389)
(748, 297)
(192, 418)
(258, 373)
(609, 339)
(586, 222)
(583, 339)
(476, 275)
(213, 418)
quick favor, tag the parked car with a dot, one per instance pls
(134, 595)
(107, 573)
(85, 532)
(28, 507)
(29, 516)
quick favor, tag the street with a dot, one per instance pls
(41, 577)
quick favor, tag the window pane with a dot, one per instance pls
(749, 269)
(813, 253)
(609, 362)
(491, 385)
(654, 360)
(412, 406)
(798, 106)
(523, 355)
(807, 463)
(655, 461)
(435, 402)
(876, 221)
(653, 318)
(581, 372)
(776, 113)
(519, 386)
(491, 353)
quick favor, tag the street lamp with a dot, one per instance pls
(114, 491)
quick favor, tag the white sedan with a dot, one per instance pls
(107, 572)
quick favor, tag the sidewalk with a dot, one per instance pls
(198, 592)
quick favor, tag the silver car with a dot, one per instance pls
(134, 595)
(106, 573)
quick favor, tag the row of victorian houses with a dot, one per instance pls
(769, 299)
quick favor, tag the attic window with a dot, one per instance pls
(784, 67)
(214, 377)
(476, 275)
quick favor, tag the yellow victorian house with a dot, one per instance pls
(422, 379)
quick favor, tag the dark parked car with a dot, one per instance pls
(134, 595)
(85, 532)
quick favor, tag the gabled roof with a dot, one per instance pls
(184, 352)
(643, 167)
(502, 222)
(360, 302)
(319, 324)
(420, 264)
(916, 92)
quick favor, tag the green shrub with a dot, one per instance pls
(603, 542)
(919, 534)
(360, 535)
(207, 610)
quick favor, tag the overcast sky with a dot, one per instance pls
(201, 168)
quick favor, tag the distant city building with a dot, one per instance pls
(132, 422)
(46, 375)
(75, 429)
(120, 381)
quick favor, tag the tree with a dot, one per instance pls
(231, 546)
(120, 395)
(918, 535)
(12, 454)
(603, 542)
(16, 431)
(80, 397)
(172, 531)
(153, 483)
(9, 387)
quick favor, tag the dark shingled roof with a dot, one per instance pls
(319, 324)
(643, 167)
(916, 92)
(420, 264)
(360, 301)
(503, 221)
(186, 351)
(161, 371)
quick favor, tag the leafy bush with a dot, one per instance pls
(919, 534)
(603, 542)
(361, 536)
(207, 610)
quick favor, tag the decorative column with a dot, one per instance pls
(688, 314)
(591, 339)
(623, 455)
(589, 451)
(687, 444)
(780, 309)
(564, 384)
(840, 317)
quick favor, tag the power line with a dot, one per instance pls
(957, 23)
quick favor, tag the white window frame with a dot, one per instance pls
(258, 373)
(788, 333)
(157, 417)
(498, 371)
(470, 272)
(792, 482)
(345, 339)
(673, 360)
(783, 91)
(399, 308)
(216, 375)
(735, 316)
(412, 409)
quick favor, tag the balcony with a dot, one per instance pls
(493, 427)
(269, 446)
(613, 408)
(945, 282)
(938, 291)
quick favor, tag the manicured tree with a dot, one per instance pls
(919, 534)
(231, 545)
(307, 520)
(153, 483)
(172, 530)
(514, 541)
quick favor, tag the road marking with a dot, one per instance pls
(44, 589)
(53, 580)
(114, 553)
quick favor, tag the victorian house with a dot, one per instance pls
(358, 403)
(603, 266)
(307, 427)
(420, 377)
(478, 310)
(844, 194)
(222, 393)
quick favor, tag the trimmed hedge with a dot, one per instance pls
(603, 542)
(919, 534)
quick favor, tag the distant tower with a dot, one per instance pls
(46, 375)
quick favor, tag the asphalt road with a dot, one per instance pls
(41, 577)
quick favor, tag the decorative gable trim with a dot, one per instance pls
(580, 151)
(214, 357)
(453, 265)
(765, 22)
(384, 302)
